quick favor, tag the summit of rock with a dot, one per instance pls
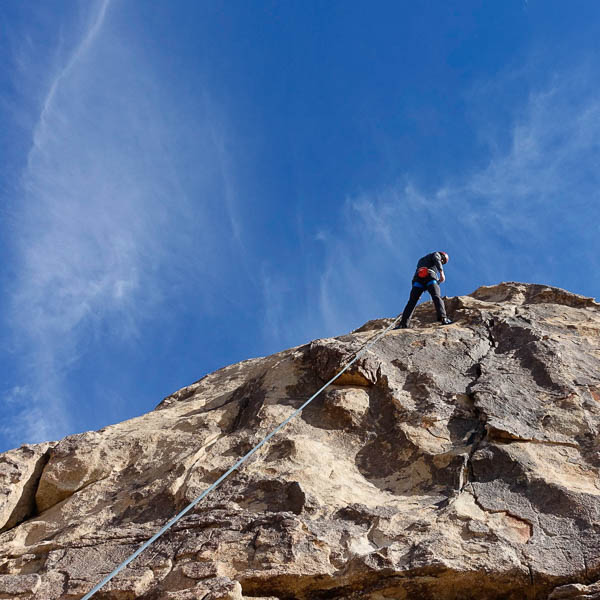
(448, 462)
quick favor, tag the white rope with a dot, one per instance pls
(232, 469)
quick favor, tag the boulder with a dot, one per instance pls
(447, 462)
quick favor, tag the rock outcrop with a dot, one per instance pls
(449, 462)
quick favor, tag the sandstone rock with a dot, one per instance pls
(15, 586)
(576, 591)
(20, 471)
(455, 462)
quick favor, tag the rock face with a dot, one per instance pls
(448, 463)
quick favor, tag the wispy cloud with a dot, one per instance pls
(532, 213)
(112, 222)
(76, 56)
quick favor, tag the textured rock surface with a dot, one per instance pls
(456, 462)
(20, 472)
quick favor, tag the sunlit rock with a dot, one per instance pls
(448, 462)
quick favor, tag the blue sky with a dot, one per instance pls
(185, 185)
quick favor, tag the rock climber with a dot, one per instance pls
(430, 271)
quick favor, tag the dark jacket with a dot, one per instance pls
(433, 263)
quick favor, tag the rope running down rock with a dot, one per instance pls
(238, 464)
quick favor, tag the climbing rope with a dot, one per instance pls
(238, 464)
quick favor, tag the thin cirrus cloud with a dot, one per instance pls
(107, 229)
(530, 214)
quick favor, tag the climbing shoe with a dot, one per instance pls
(401, 326)
(445, 321)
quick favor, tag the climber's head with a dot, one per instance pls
(445, 257)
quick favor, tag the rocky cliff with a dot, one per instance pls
(448, 463)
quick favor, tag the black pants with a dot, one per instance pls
(415, 293)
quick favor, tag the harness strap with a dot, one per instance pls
(420, 285)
